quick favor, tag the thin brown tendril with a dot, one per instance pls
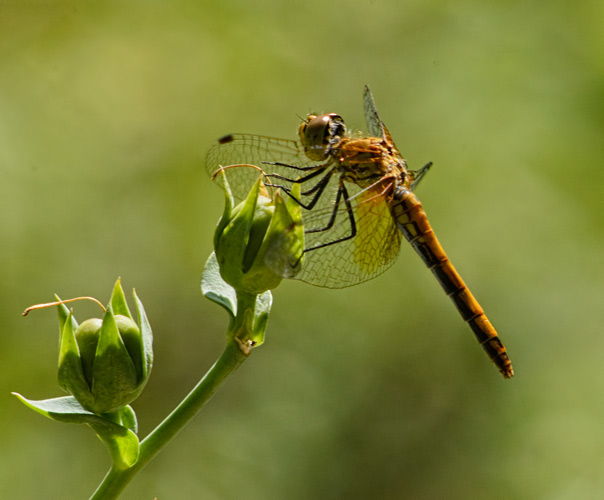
(50, 304)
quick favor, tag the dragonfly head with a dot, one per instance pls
(320, 133)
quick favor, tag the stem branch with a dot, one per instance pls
(117, 479)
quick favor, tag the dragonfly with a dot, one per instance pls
(358, 199)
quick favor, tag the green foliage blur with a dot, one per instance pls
(377, 391)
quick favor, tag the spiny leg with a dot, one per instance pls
(317, 189)
(342, 193)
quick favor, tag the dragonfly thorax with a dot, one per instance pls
(367, 160)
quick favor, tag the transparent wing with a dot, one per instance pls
(369, 253)
(375, 126)
(418, 175)
(245, 157)
(248, 153)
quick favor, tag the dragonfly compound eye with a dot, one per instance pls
(320, 133)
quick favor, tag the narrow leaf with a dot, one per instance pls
(122, 443)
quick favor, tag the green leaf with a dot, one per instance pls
(121, 441)
(216, 289)
(64, 409)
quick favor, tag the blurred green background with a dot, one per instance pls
(378, 391)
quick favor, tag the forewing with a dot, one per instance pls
(244, 157)
(375, 126)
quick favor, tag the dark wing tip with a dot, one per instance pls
(225, 139)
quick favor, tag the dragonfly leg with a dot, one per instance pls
(301, 180)
(342, 193)
(317, 189)
(293, 167)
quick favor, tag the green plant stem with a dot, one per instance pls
(117, 479)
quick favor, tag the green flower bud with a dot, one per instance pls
(260, 241)
(105, 363)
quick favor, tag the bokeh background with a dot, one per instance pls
(377, 391)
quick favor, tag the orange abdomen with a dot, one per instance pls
(413, 223)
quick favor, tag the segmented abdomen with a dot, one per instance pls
(413, 223)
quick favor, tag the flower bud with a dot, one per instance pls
(105, 363)
(260, 241)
